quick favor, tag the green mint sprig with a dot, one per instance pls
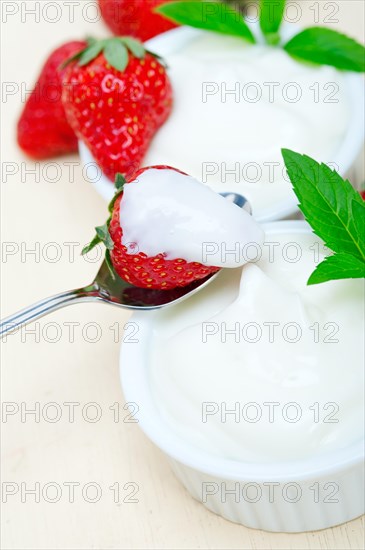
(336, 213)
(317, 45)
(271, 16)
(327, 47)
(210, 16)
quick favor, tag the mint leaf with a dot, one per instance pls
(339, 266)
(330, 204)
(336, 213)
(359, 221)
(116, 54)
(327, 47)
(271, 15)
(210, 16)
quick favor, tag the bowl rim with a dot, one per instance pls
(344, 157)
(136, 389)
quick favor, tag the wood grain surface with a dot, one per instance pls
(52, 365)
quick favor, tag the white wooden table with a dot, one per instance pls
(52, 456)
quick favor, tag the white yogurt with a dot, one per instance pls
(293, 397)
(172, 213)
(232, 141)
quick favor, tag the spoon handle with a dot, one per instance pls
(36, 311)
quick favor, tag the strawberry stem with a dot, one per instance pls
(102, 231)
(115, 51)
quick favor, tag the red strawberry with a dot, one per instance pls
(362, 193)
(43, 130)
(116, 96)
(155, 272)
(134, 17)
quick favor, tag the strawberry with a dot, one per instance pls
(140, 270)
(134, 17)
(362, 193)
(43, 130)
(116, 95)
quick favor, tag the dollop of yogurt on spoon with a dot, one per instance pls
(166, 211)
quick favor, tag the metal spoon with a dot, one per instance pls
(114, 291)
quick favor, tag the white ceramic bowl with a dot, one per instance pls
(344, 157)
(207, 477)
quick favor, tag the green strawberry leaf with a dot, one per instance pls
(116, 54)
(134, 46)
(90, 53)
(160, 59)
(95, 241)
(102, 232)
(327, 47)
(115, 51)
(271, 15)
(112, 202)
(90, 40)
(335, 211)
(339, 266)
(119, 184)
(109, 263)
(210, 16)
(119, 181)
(74, 57)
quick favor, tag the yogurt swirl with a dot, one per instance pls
(236, 105)
(274, 375)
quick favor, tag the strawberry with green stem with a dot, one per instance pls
(43, 131)
(116, 95)
(139, 269)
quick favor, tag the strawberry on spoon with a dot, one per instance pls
(172, 217)
(116, 95)
(43, 130)
(167, 230)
